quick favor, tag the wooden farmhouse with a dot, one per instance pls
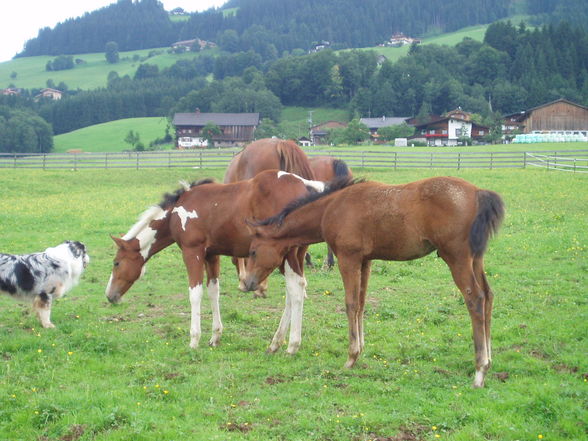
(236, 128)
(374, 124)
(555, 117)
(447, 129)
(318, 134)
(53, 94)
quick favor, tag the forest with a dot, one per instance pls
(271, 27)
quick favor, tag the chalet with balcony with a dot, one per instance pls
(237, 129)
(449, 128)
(48, 93)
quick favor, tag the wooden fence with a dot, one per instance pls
(576, 160)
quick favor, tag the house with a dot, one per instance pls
(374, 124)
(303, 141)
(10, 91)
(49, 93)
(554, 117)
(236, 128)
(320, 46)
(188, 45)
(448, 128)
(399, 39)
(318, 134)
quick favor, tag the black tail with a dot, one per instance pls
(487, 221)
(340, 168)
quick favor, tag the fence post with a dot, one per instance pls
(137, 160)
(458, 160)
(362, 156)
(15, 160)
(491, 159)
(524, 159)
(75, 162)
(431, 161)
(200, 153)
(106, 160)
(169, 159)
(395, 160)
(44, 158)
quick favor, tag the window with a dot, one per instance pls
(458, 132)
(481, 133)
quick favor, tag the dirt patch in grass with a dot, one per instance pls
(414, 433)
(75, 432)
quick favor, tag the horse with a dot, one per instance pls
(362, 221)
(206, 220)
(327, 168)
(260, 155)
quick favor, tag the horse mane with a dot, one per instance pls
(155, 211)
(333, 186)
(293, 159)
(172, 198)
(340, 168)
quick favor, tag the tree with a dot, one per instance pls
(355, 132)
(111, 52)
(266, 129)
(133, 139)
(24, 132)
(209, 131)
(397, 131)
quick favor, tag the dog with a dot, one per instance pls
(42, 277)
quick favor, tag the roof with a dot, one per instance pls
(523, 113)
(220, 119)
(383, 121)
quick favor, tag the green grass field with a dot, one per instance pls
(109, 137)
(125, 372)
(31, 73)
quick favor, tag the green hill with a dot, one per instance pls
(92, 73)
(109, 137)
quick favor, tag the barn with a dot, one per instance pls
(557, 116)
(236, 128)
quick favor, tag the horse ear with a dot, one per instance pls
(119, 241)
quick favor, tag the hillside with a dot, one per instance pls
(270, 28)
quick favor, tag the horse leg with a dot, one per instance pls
(308, 260)
(488, 304)
(296, 291)
(282, 327)
(194, 261)
(365, 276)
(330, 257)
(261, 290)
(212, 273)
(350, 269)
(463, 274)
(240, 265)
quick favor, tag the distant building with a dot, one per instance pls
(10, 91)
(320, 46)
(399, 39)
(237, 128)
(447, 129)
(318, 134)
(53, 94)
(556, 116)
(304, 141)
(194, 44)
(374, 124)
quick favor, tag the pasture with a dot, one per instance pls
(126, 372)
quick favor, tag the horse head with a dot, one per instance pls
(128, 266)
(265, 255)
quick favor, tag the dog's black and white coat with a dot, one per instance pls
(42, 277)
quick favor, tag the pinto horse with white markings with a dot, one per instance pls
(368, 220)
(327, 168)
(207, 220)
(260, 155)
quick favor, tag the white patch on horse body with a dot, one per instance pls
(319, 186)
(142, 232)
(146, 238)
(185, 215)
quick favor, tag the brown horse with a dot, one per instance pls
(327, 168)
(260, 155)
(206, 220)
(369, 220)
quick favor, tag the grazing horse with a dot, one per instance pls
(207, 220)
(327, 168)
(369, 220)
(260, 155)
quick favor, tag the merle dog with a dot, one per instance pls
(42, 277)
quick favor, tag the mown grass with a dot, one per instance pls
(92, 74)
(109, 137)
(126, 372)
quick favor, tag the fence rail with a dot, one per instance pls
(569, 160)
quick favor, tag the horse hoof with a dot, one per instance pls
(48, 326)
(349, 364)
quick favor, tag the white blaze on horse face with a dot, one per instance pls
(185, 215)
(319, 186)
